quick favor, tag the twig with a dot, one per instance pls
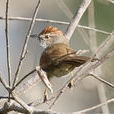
(95, 107)
(7, 44)
(4, 84)
(56, 22)
(24, 77)
(26, 41)
(4, 97)
(64, 8)
(14, 106)
(102, 80)
(27, 85)
(24, 105)
(76, 18)
(105, 45)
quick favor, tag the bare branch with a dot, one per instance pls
(95, 107)
(4, 84)
(102, 80)
(27, 85)
(56, 22)
(105, 45)
(76, 18)
(26, 41)
(24, 77)
(14, 106)
(4, 97)
(7, 44)
(24, 105)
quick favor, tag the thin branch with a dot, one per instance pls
(64, 8)
(26, 41)
(76, 18)
(24, 77)
(23, 104)
(27, 85)
(97, 30)
(7, 44)
(4, 97)
(14, 106)
(102, 80)
(105, 45)
(4, 84)
(95, 107)
(56, 22)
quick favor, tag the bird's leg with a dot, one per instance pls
(72, 81)
(45, 95)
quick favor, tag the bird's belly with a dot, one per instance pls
(60, 70)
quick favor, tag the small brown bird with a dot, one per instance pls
(58, 58)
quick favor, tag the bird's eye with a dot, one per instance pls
(47, 36)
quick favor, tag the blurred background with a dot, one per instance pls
(89, 91)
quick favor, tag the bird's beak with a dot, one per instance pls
(34, 35)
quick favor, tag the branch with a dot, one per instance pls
(102, 80)
(26, 41)
(24, 77)
(76, 18)
(105, 45)
(7, 44)
(56, 22)
(23, 104)
(14, 106)
(27, 85)
(95, 107)
(69, 14)
(4, 84)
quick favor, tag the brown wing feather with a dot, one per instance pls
(76, 60)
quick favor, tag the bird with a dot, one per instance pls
(58, 58)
